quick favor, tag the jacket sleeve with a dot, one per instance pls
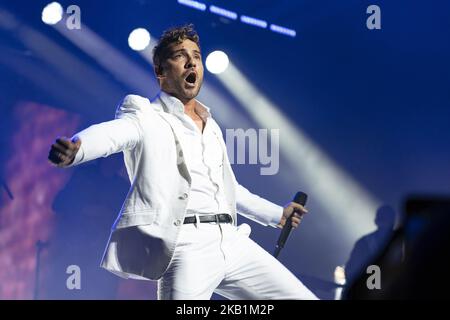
(106, 138)
(256, 208)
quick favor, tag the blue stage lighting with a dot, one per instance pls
(193, 4)
(254, 22)
(223, 12)
(283, 30)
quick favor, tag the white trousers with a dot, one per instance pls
(221, 258)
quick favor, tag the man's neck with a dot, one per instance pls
(189, 110)
(189, 106)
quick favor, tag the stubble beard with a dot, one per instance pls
(179, 91)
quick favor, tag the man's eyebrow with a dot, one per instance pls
(184, 50)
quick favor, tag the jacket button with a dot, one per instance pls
(183, 196)
(177, 222)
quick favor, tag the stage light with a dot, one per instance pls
(217, 62)
(139, 39)
(254, 22)
(193, 4)
(283, 30)
(52, 13)
(223, 12)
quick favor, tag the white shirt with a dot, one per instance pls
(204, 158)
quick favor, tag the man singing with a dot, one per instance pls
(178, 224)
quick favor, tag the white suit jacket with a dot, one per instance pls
(144, 235)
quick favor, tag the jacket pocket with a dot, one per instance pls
(137, 217)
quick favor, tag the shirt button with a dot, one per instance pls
(177, 222)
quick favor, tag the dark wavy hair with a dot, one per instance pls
(170, 36)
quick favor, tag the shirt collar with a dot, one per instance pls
(175, 106)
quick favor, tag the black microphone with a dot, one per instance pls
(300, 198)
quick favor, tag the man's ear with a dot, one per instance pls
(159, 71)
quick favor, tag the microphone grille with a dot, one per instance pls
(300, 197)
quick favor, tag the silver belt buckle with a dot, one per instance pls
(197, 220)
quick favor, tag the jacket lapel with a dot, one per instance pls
(181, 163)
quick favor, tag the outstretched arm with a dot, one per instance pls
(101, 140)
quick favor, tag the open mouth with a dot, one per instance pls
(191, 78)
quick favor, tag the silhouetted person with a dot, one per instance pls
(369, 246)
(413, 265)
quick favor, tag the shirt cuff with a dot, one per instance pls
(276, 218)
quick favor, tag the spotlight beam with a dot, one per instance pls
(111, 59)
(336, 191)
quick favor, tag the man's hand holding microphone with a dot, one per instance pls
(291, 218)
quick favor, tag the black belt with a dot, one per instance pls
(219, 218)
